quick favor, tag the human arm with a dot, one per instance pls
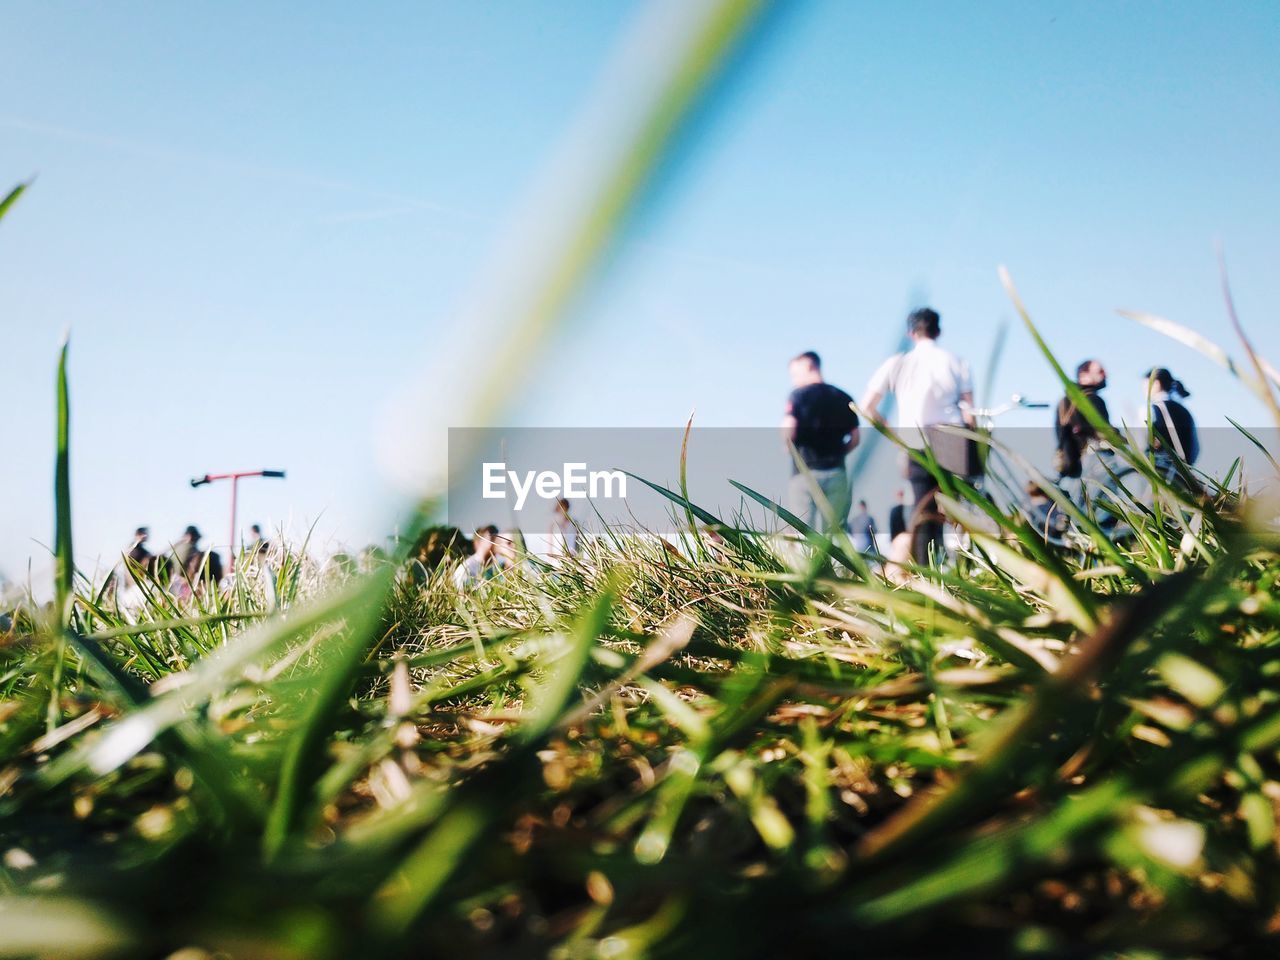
(788, 425)
(788, 428)
(965, 384)
(877, 388)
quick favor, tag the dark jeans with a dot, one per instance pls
(926, 520)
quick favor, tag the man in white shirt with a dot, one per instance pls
(932, 387)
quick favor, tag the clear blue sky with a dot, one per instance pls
(256, 218)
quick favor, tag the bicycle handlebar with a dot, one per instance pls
(1016, 402)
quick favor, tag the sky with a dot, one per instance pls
(258, 221)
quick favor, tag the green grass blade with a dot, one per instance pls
(208, 678)
(424, 872)
(852, 560)
(12, 197)
(64, 560)
(735, 537)
(337, 663)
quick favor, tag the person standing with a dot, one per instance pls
(821, 428)
(933, 387)
(1074, 433)
(137, 563)
(257, 544)
(184, 561)
(563, 538)
(898, 515)
(138, 552)
(863, 529)
(1173, 434)
(192, 567)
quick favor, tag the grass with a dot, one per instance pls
(730, 747)
(653, 749)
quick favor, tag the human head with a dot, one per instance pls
(141, 534)
(484, 541)
(562, 507)
(192, 533)
(1159, 379)
(862, 505)
(805, 369)
(256, 531)
(924, 324)
(1091, 373)
(505, 545)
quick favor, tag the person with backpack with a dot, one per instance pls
(1110, 486)
(1173, 435)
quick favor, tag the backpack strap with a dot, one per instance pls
(1171, 429)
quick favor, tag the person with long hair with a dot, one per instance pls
(1173, 428)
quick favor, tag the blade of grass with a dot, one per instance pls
(1263, 388)
(12, 197)
(473, 807)
(336, 667)
(208, 678)
(1060, 695)
(64, 561)
(812, 536)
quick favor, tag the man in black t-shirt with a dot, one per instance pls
(822, 428)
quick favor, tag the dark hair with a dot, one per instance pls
(563, 504)
(1083, 366)
(489, 530)
(192, 531)
(1166, 382)
(255, 529)
(814, 360)
(926, 322)
(142, 532)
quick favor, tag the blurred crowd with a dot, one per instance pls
(923, 397)
(183, 570)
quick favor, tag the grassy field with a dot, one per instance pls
(736, 748)
(739, 747)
